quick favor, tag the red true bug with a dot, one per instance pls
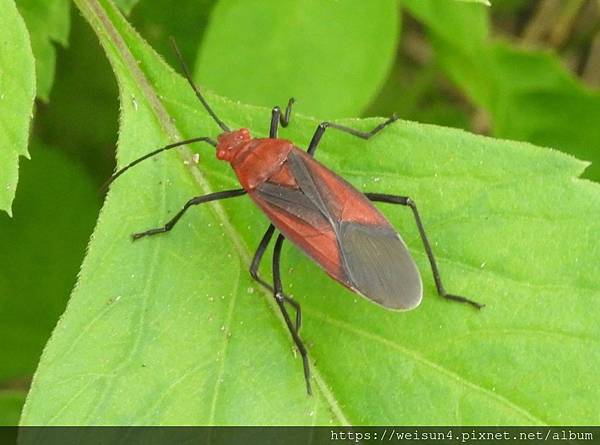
(321, 213)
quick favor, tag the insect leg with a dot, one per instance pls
(298, 310)
(194, 201)
(312, 147)
(280, 299)
(260, 251)
(258, 255)
(406, 201)
(277, 118)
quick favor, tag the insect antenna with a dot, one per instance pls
(148, 155)
(195, 88)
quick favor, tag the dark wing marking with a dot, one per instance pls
(292, 201)
(307, 184)
(379, 265)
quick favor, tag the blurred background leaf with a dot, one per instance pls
(485, 2)
(17, 91)
(48, 23)
(11, 402)
(81, 120)
(73, 155)
(522, 93)
(157, 20)
(42, 248)
(127, 5)
(331, 57)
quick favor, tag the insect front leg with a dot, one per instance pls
(277, 118)
(192, 202)
(406, 201)
(312, 147)
(281, 299)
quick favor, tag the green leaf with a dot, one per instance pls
(528, 93)
(545, 105)
(157, 21)
(48, 22)
(126, 5)
(172, 330)
(42, 249)
(11, 403)
(459, 34)
(332, 59)
(65, 123)
(484, 2)
(17, 90)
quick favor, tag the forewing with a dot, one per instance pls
(379, 265)
(307, 183)
(293, 201)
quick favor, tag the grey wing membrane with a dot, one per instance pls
(380, 266)
(375, 259)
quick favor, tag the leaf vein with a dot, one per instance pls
(430, 364)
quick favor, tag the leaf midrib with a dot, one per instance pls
(173, 133)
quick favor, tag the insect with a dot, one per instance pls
(336, 225)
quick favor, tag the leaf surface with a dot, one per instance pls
(172, 330)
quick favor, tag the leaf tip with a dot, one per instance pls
(8, 210)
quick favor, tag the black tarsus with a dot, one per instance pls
(186, 72)
(194, 201)
(312, 147)
(280, 299)
(277, 118)
(406, 201)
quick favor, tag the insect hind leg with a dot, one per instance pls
(254, 266)
(312, 147)
(281, 299)
(258, 255)
(406, 201)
